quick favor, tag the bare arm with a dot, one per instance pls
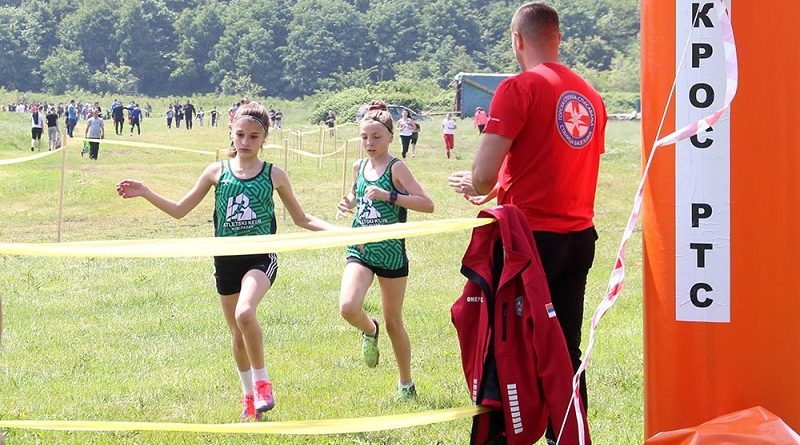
(417, 198)
(481, 200)
(128, 188)
(284, 188)
(488, 159)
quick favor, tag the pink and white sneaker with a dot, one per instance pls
(249, 408)
(264, 400)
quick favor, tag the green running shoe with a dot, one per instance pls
(406, 393)
(369, 347)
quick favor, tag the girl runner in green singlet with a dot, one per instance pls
(244, 206)
(383, 188)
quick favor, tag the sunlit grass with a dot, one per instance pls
(144, 340)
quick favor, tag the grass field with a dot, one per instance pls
(144, 340)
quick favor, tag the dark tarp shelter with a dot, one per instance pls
(476, 90)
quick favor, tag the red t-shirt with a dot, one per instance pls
(557, 121)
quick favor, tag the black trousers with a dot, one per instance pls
(135, 123)
(94, 150)
(405, 140)
(188, 121)
(566, 259)
(118, 126)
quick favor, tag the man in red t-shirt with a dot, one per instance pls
(540, 151)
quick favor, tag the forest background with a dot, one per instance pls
(409, 50)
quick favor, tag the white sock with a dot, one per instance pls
(405, 385)
(260, 374)
(247, 382)
(374, 329)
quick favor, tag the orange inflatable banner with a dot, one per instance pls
(720, 214)
(754, 426)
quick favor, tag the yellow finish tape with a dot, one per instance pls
(29, 158)
(309, 132)
(317, 155)
(299, 131)
(145, 145)
(241, 245)
(308, 154)
(310, 427)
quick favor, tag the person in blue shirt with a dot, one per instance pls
(72, 117)
(135, 115)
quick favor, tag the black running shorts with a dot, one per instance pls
(229, 270)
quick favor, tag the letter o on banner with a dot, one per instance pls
(721, 210)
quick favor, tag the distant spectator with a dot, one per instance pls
(178, 115)
(279, 119)
(189, 113)
(147, 109)
(214, 116)
(52, 129)
(330, 120)
(118, 116)
(72, 117)
(232, 112)
(405, 130)
(480, 119)
(170, 113)
(94, 130)
(414, 136)
(449, 132)
(37, 123)
(135, 115)
(271, 114)
(200, 115)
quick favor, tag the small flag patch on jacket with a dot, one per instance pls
(551, 311)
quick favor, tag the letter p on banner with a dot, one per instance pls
(702, 168)
(721, 210)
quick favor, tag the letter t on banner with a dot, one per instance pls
(702, 168)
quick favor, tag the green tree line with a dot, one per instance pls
(291, 48)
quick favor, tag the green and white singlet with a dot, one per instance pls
(389, 254)
(244, 206)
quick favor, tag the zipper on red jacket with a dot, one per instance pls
(505, 323)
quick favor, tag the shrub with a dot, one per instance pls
(418, 96)
(621, 101)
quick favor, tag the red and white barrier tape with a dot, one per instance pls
(617, 279)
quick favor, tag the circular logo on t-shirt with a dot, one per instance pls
(575, 119)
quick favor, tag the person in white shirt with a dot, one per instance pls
(449, 131)
(94, 130)
(37, 123)
(405, 129)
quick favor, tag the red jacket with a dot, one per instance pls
(512, 348)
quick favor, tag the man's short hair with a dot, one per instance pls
(536, 20)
